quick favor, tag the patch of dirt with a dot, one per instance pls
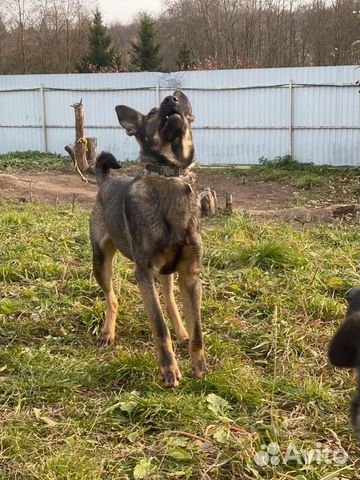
(248, 192)
(250, 195)
(48, 187)
(67, 187)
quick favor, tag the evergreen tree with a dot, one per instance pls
(145, 53)
(100, 55)
(185, 57)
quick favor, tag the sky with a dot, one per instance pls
(124, 10)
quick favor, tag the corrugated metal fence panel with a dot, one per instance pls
(337, 108)
(98, 107)
(241, 115)
(313, 107)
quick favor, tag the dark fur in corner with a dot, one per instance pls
(344, 349)
(153, 219)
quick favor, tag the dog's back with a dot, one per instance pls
(158, 213)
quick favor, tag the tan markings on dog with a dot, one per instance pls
(156, 139)
(191, 292)
(167, 152)
(187, 143)
(165, 261)
(167, 282)
(104, 278)
(168, 365)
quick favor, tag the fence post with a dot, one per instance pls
(291, 118)
(157, 94)
(43, 107)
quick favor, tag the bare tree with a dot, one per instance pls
(43, 36)
(19, 14)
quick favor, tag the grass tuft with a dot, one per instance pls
(268, 254)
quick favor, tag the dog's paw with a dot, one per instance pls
(200, 368)
(171, 376)
(184, 344)
(105, 339)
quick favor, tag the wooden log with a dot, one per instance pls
(91, 150)
(216, 206)
(91, 154)
(80, 140)
(71, 151)
(229, 203)
(208, 202)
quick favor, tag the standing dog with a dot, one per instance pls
(344, 349)
(153, 219)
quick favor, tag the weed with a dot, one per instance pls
(33, 160)
(309, 181)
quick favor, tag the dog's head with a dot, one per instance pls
(164, 134)
(344, 349)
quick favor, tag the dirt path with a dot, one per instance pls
(57, 187)
(252, 196)
(49, 187)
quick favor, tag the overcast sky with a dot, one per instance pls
(124, 10)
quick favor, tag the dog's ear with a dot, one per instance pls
(185, 105)
(129, 119)
(344, 349)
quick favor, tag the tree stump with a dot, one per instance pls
(229, 203)
(78, 151)
(91, 154)
(80, 140)
(208, 202)
(91, 150)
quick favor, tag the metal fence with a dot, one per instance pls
(241, 115)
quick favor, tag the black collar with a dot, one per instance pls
(165, 170)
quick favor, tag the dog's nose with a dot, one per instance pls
(170, 99)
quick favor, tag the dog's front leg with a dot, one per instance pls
(168, 365)
(191, 292)
(167, 282)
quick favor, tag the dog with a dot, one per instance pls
(153, 219)
(344, 348)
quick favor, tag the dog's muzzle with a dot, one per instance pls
(172, 116)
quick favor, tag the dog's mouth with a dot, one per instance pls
(172, 120)
(171, 113)
(167, 111)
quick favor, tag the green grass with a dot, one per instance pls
(33, 160)
(70, 410)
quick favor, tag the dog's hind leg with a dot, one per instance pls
(191, 292)
(168, 365)
(103, 254)
(167, 282)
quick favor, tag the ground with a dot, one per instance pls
(273, 296)
(52, 187)
(252, 191)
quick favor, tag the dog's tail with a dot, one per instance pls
(104, 162)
